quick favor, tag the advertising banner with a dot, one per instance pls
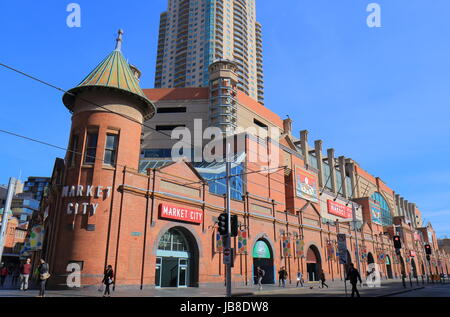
(342, 248)
(417, 237)
(364, 253)
(286, 247)
(381, 258)
(375, 211)
(242, 241)
(219, 243)
(306, 185)
(331, 252)
(299, 245)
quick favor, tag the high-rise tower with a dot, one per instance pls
(195, 33)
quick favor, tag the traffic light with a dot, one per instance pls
(223, 224)
(234, 225)
(397, 242)
(428, 249)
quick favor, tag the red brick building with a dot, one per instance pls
(155, 221)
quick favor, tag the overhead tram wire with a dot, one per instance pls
(235, 175)
(93, 103)
(93, 157)
(54, 146)
(120, 165)
(85, 100)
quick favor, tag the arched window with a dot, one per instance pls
(173, 240)
(386, 217)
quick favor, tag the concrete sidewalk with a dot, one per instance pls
(336, 289)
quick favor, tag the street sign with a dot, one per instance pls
(342, 248)
(227, 256)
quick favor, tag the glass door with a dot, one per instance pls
(183, 272)
(158, 272)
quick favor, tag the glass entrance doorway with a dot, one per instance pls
(263, 258)
(173, 261)
(313, 264)
(172, 272)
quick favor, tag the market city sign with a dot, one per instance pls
(80, 191)
(340, 210)
(180, 213)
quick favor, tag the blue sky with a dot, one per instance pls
(378, 95)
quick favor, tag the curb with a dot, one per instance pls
(242, 294)
(306, 295)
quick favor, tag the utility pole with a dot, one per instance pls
(356, 236)
(228, 211)
(6, 209)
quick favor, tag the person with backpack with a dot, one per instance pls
(44, 275)
(282, 276)
(259, 276)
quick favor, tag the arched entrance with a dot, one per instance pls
(263, 257)
(370, 259)
(413, 268)
(313, 263)
(177, 259)
(389, 267)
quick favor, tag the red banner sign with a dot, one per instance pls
(337, 209)
(180, 213)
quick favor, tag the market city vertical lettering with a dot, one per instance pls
(88, 192)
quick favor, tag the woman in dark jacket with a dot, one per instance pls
(323, 279)
(43, 277)
(108, 279)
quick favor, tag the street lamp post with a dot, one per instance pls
(354, 222)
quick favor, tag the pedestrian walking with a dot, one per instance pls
(3, 274)
(25, 271)
(282, 276)
(323, 279)
(353, 275)
(108, 276)
(299, 278)
(44, 275)
(259, 276)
